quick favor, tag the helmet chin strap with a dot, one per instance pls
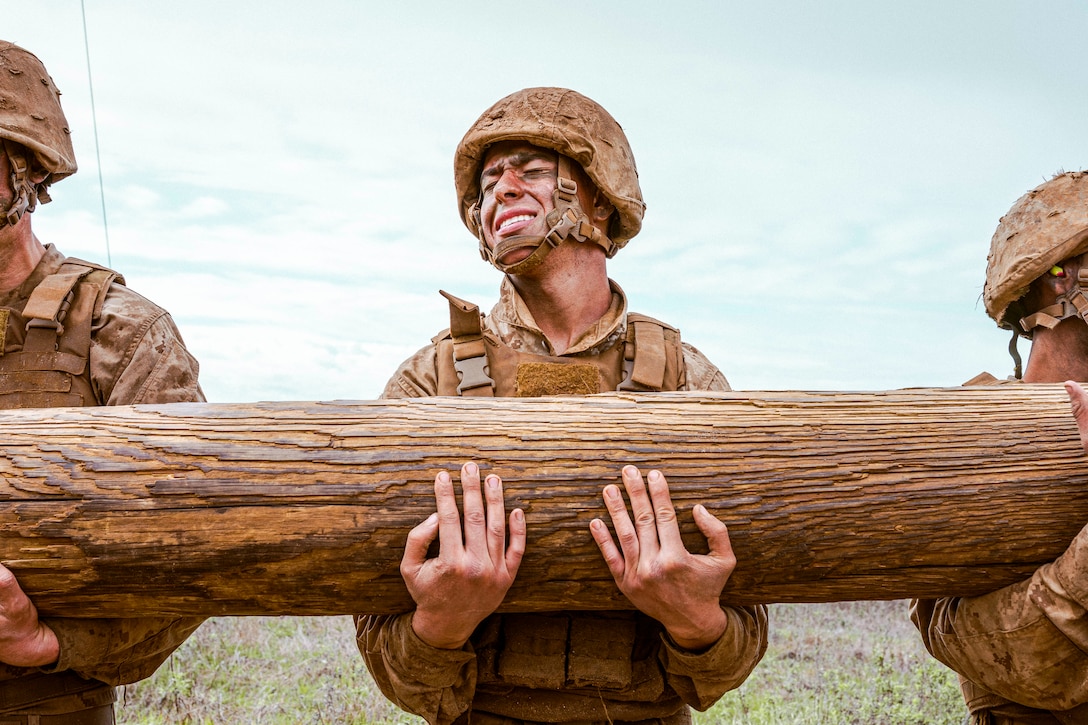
(26, 194)
(1073, 303)
(567, 220)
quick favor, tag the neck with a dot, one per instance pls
(568, 294)
(20, 252)
(1060, 354)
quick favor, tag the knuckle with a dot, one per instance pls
(669, 566)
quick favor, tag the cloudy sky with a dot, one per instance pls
(823, 179)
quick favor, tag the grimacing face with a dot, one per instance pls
(517, 184)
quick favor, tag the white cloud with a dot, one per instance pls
(822, 179)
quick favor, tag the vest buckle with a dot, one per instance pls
(37, 322)
(473, 374)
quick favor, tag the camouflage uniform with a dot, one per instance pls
(1022, 651)
(587, 666)
(573, 667)
(73, 334)
(136, 356)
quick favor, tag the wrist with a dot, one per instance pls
(40, 649)
(50, 650)
(698, 636)
(438, 632)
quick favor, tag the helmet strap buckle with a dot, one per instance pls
(567, 220)
(26, 196)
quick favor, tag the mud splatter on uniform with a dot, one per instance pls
(136, 355)
(586, 667)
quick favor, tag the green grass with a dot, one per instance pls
(831, 664)
(850, 662)
(262, 670)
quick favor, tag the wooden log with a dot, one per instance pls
(303, 508)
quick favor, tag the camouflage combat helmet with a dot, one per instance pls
(1044, 227)
(31, 118)
(580, 131)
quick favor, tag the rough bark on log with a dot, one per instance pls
(303, 508)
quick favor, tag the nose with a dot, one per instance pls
(509, 185)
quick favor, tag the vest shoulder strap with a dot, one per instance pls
(58, 303)
(469, 349)
(96, 275)
(653, 356)
(50, 361)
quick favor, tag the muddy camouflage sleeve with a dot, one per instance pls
(417, 377)
(436, 684)
(1027, 642)
(137, 356)
(701, 373)
(118, 651)
(700, 679)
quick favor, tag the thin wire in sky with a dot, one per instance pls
(94, 124)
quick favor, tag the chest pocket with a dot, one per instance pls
(546, 651)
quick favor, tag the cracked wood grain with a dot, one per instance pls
(303, 508)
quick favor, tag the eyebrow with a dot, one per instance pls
(518, 159)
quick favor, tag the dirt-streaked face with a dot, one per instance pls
(517, 182)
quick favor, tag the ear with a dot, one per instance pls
(602, 207)
(1071, 269)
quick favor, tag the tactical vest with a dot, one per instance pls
(45, 358)
(473, 362)
(608, 652)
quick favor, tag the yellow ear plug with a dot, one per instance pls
(1057, 271)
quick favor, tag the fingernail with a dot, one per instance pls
(493, 482)
(611, 492)
(471, 469)
(444, 477)
(630, 471)
(655, 475)
(517, 515)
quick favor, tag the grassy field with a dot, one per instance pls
(831, 664)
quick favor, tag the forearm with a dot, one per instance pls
(436, 684)
(1027, 642)
(701, 678)
(118, 651)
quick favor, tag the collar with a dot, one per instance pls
(513, 323)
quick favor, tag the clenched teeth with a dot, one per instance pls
(515, 220)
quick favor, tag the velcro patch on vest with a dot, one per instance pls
(538, 379)
(535, 654)
(4, 313)
(601, 649)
